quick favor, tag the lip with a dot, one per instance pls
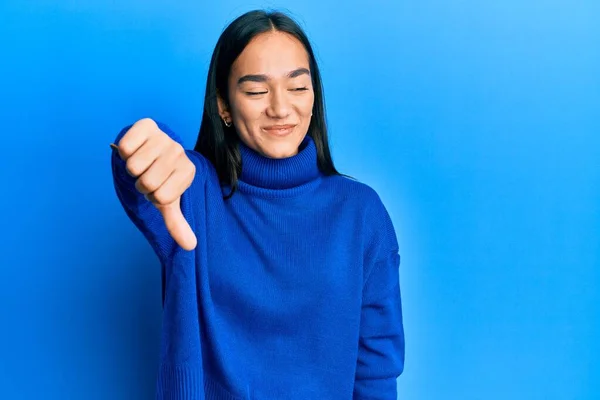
(279, 130)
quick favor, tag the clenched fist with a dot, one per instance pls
(163, 173)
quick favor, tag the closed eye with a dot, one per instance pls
(301, 89)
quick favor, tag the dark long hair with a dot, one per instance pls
(221, 145)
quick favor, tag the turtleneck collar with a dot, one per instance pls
(280, 173)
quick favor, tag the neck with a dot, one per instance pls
(280, 173)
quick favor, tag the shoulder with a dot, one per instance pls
(378, 230)
(359, 193)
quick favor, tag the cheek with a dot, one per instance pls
(305, 107)
(247, 111)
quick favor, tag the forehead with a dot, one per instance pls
(272, 53)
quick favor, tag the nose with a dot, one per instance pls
(279, 105)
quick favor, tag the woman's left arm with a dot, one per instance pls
(381, 338)
(381, 342)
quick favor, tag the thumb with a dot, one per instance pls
(178, 227)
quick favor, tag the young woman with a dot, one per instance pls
(280, 275)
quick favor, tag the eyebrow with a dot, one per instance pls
(263, 78)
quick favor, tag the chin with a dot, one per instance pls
(281, 154)
(281, 151)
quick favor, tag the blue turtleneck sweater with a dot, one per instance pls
(292, 291)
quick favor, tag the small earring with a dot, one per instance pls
(227, 123)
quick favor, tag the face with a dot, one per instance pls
(270, 95)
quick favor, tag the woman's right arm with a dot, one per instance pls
(151, 170)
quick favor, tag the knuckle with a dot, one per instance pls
(177, 147)
(146, 183)
(145, 123)
(125, 147)
(133, 166)
(163, 197)
(191, 170)
(187, 168)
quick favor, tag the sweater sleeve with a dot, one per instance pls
(381, 339)
(140, 211)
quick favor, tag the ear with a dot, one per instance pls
(223, 108)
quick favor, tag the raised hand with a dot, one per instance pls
(163, 172)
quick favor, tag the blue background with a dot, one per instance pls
(476, 121)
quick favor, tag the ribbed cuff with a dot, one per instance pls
(180, 383)
(214, 391)
(189, 383)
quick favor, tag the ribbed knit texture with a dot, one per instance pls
(292, 291)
